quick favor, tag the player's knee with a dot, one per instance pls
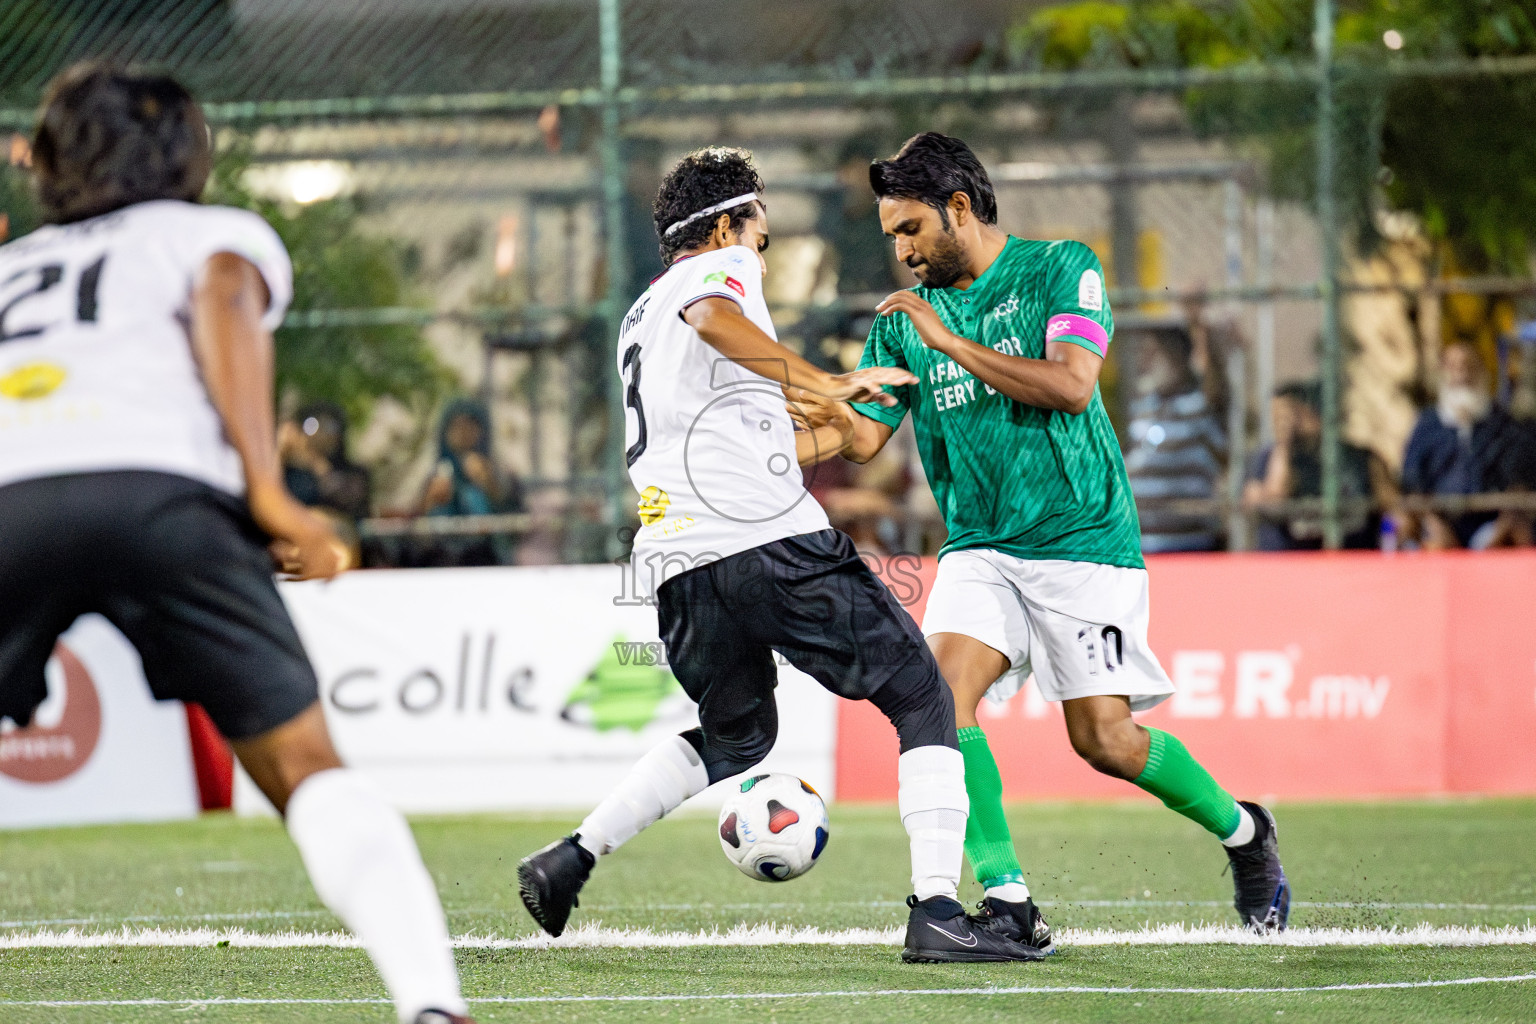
(1109, 747)
(969, 668)
(921, 708)
(738, 751)
(280, 759)
(735, 759)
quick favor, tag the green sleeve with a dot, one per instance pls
(1077, 310)
(884, 349)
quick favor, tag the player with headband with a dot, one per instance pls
(742, 563)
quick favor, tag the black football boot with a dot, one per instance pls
(549, 880)
(938, 932)
(1262, 895)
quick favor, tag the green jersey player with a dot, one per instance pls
(1042, 570)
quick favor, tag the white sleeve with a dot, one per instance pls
(217, 229)
(735, 273)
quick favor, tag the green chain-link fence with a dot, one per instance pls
(472, 178)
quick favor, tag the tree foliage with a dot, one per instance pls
(1451, 150)
(18, 211)
(336, 266)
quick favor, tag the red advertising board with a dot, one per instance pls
(1298, 675)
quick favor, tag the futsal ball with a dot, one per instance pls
(773, 827)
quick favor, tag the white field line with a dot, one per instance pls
(593, 936)
(1131, 904)
(1014, 990)
(1128, 904)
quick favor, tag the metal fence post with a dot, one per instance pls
(1264, 331)
(1328, 225)
(615, 300)
(1237, 448)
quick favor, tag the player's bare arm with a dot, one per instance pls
(820, 434)
(722, 324)
(235, 353)
(813, 447)
(1064, 380)
(860, 438)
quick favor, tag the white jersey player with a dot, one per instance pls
(710, 447)
(94, 353)
(139, 480)
(743, 565)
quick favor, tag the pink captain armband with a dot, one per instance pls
(1078, 327)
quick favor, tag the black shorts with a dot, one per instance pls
(178, 567)
(812, 599)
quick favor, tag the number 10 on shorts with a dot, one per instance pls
(1102, 645)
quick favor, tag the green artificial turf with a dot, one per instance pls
(1117, 866)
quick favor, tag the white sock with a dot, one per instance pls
(364, 864)
(657, 784)
(1009, 892)
(934, 806)
(1246, 829)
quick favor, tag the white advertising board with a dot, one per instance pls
(99, 749)
(512, 688)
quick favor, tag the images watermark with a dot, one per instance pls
(753, 580)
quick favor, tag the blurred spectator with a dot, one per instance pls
(1292, 468)
(1467, 445)
(316, 467)
(1178, 446)
(467, 483)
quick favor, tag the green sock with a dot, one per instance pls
(988, 843)
(1180, 782)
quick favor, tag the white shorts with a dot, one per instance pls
(1080, 627)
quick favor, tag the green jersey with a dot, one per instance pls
(1030, 482)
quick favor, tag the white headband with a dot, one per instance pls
(717, 208)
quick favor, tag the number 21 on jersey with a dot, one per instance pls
(36, 298)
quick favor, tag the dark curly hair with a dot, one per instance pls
(931, 168)
(108, 138)
(700, 180)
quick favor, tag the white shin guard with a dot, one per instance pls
(364, 864)
(658, 783)
(934, 807)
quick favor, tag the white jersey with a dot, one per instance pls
(97, 371)
(709, 445)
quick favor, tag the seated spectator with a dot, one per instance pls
(1467, 445)
(1292, 468)
(1178, 447)
(467, 483)
(316, 467)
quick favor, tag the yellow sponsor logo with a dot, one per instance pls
(32, 381)
(653, 505)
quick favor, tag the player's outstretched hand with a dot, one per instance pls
(925, 320)
(810, 411)
(304, 544)
(868, 385)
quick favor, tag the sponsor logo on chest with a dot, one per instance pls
(966, 388)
